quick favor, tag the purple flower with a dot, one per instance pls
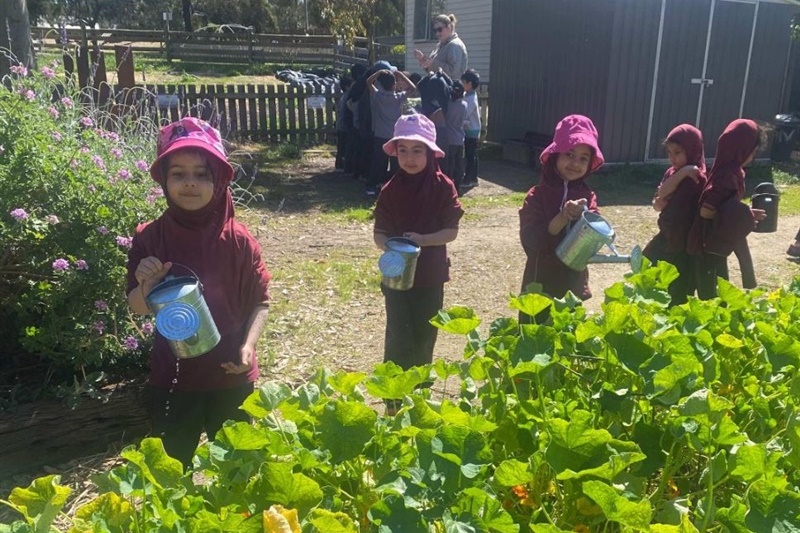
(113, 136)
(102, 230)
(117, 153)
(99, 327)
(19, 69)
(30, 95)
(142, 165)
(67, 102)
(19, 214)
(125, 242)
(48, 73)
(56, 136)
(130, 343)
(52, 219)
(92, 188)
(60, 264)
(85, 149)
(53, 111)
(97, 160)
(88, 122)
(154, 194)
(80, 264)
(123, 174)
(101, 305)
(148, 328)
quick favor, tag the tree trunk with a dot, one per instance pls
(187, 14)
(49, 434)
(19, 32)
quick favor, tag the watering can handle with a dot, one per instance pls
(199, 283)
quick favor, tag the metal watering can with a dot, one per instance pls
(182, 315)
(586, 237)
(398, 264)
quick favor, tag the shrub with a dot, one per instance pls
(75, 184)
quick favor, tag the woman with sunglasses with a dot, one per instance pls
(450, 53)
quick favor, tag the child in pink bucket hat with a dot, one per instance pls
(421, 204)
(198, 233)
(553, 204)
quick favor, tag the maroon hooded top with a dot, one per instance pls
(675, 220)
(542, 204)
(426, 202)
(726, 183)
(227, 260)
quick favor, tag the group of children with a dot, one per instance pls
(373, 99)
(702, 219)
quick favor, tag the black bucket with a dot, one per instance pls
(766, 196)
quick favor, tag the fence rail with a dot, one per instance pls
(238, 48)
(263, 113)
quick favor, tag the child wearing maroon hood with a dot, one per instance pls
(558, 199)
(198, 231)
(723, 221)
(419, 203)
(676, 200)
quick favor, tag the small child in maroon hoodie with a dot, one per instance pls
(723, 222)
(418, 203)
(558, 199)
(676, 200)
(199, 231)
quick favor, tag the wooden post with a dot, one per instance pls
(124, 56)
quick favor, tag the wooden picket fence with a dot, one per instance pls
(264, 113)
(305, 116)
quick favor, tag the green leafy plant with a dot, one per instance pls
(75, 185)
(642, 418)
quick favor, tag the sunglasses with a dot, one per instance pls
(438, 29)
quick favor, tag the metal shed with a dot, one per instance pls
(637, 67)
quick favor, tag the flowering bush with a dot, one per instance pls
(72, 195)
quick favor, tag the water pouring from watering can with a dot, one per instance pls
(586, 238)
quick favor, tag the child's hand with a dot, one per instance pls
(659, 203)
(419, 55)
(246, 354)
(573, 209)
(151, 270)
(758, 214)
(416, 237)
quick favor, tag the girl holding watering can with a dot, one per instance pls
(198, 232)
(420, 206)
(560, 197)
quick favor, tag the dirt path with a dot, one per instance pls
(311, 327)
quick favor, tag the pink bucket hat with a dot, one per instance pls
(190, 132)
(413, 128)
(571, 131)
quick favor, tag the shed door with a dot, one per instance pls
(701, 68)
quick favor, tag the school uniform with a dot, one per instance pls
(675, 220)
(386, 108)
(725, 184)
(472, 136)
(344, 122)
(187, 396)
(543, 202)
(423, 203)
(454, 140)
